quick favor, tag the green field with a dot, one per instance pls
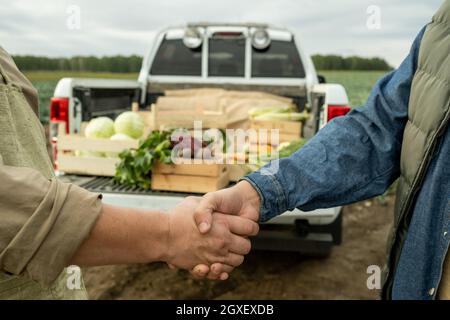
(357, 83)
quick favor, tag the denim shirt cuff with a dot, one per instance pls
(273, 199)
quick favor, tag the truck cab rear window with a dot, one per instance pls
(279, 60)
(226, 57)
(175, 59)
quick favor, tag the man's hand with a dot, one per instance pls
(241, 200)
(127, 235)
(187, 247)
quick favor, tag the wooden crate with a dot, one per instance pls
(286, 127)
(237, 171)
(149, 121)
(216, 108)
(173, 112)
(288, 130)
(196, 178)
(98, 166)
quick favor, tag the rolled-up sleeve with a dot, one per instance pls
(43, 222)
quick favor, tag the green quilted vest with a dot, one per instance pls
(428, 116)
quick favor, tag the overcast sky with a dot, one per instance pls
(110, 27)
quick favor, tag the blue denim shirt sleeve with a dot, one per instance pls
(353, 157)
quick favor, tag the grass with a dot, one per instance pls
(357, 83)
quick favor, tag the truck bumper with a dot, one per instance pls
(307, 239)
(314, 244)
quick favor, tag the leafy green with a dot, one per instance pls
(135, 166)
(284, 150)
(286, 116)
(288, 149)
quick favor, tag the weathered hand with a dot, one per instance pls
(241, 200)
(187, 247)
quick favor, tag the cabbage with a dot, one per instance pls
(130, 123)
(121, 137)
(89, 154)
(118, 137)
(100, 128)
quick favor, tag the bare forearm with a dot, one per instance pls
(123, 235)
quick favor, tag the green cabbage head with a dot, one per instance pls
(130, 123)
(100, 128)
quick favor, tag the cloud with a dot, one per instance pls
(127, 27)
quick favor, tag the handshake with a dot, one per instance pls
(209, 235)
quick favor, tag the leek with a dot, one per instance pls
(289, 116)
(254, 112)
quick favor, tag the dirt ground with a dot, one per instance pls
(267, 275)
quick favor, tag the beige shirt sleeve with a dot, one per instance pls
(43, 222)
(19, 79)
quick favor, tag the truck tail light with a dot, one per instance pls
(337, 111)
(59, 111)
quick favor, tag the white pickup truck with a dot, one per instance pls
(233, 56)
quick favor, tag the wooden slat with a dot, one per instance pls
(185, 183)
(170, 116)
(149, 121)
(87, 165)
(166, 121)
(74, 142)
(206, 170)
(98, 166)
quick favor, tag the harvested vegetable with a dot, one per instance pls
(288, 148)
(129, 123)
(185, 145)
(286, 116)
(135, 166)
(100, 128)
(89, 154)
(117, 137)
(97, 128)
(121, 137)
(284, 150)
(254, 112)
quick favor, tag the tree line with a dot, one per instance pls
(133, 63)
(120, 64)
(335, 62)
